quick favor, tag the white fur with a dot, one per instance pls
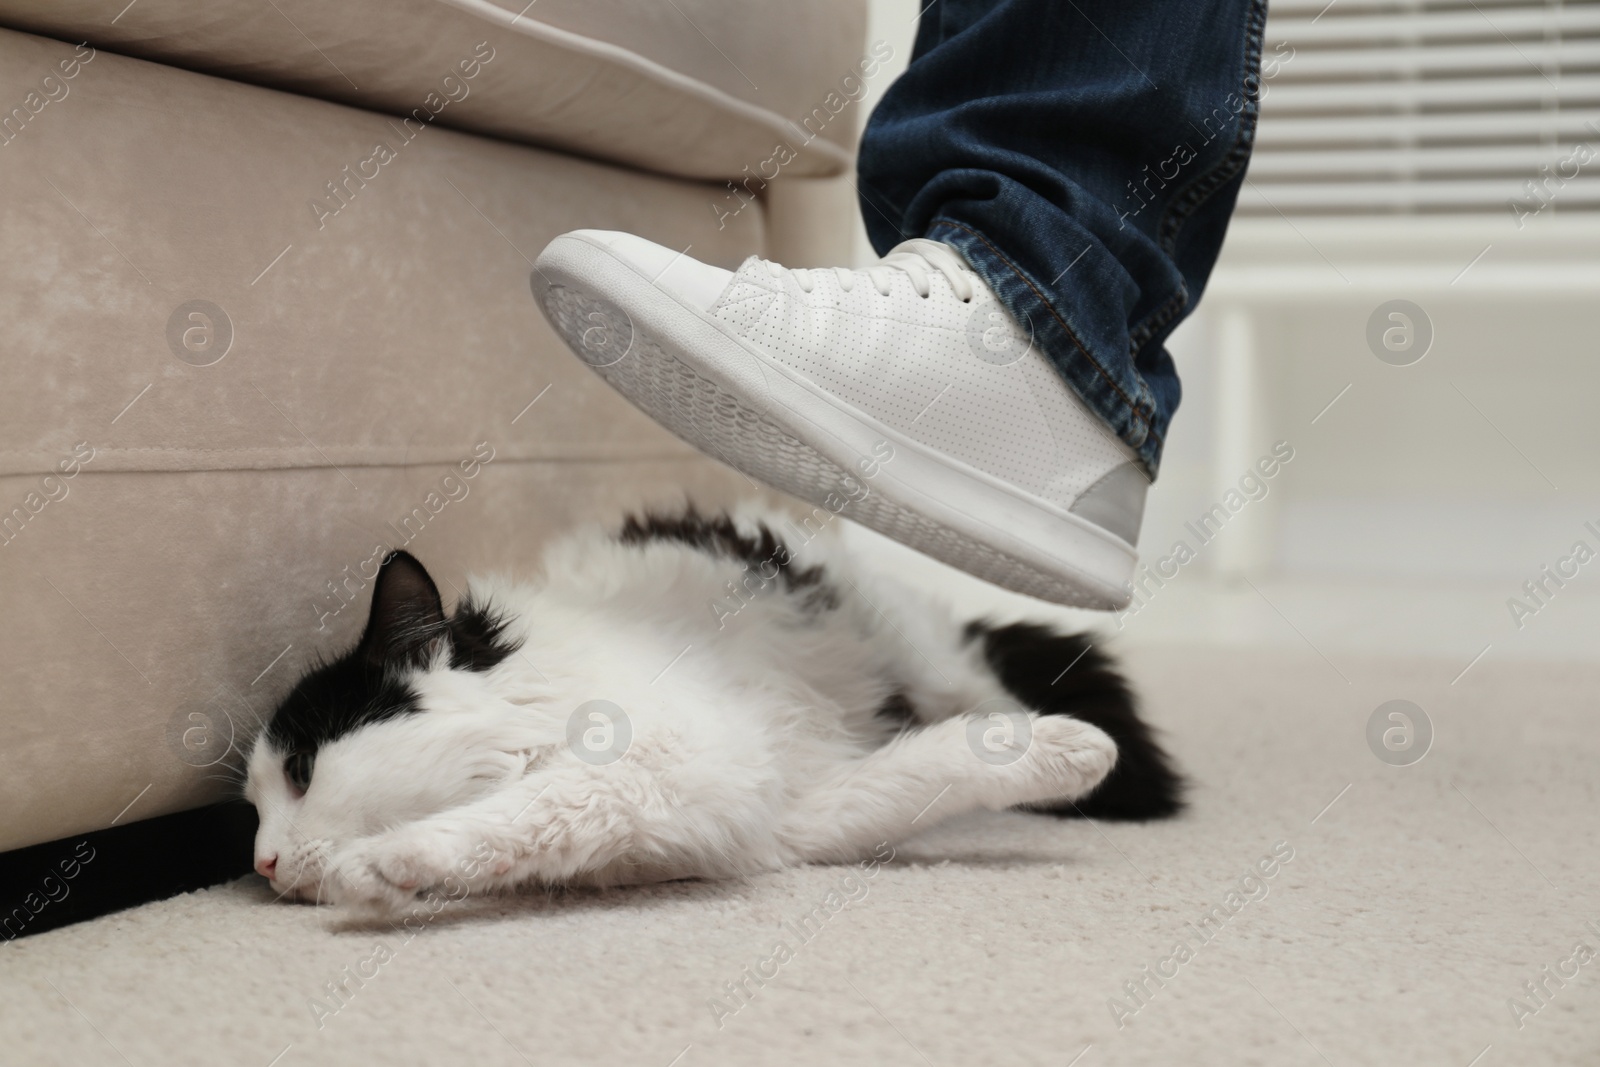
(756, 741)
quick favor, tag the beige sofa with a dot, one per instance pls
(266, 313)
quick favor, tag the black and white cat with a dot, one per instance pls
(689, 697)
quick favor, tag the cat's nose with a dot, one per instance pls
(267, 866)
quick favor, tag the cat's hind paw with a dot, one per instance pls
(1057, 758)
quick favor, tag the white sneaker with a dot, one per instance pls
(905, 390)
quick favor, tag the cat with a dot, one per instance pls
(693, 696)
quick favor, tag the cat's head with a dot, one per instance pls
(399, 727)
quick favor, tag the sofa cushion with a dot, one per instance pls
(219, 243)
(698, 88)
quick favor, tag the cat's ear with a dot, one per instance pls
(407, 614)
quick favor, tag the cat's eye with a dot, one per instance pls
(297, 768)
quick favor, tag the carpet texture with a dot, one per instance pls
(1417, 903)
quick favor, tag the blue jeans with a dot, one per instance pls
(1085, 156)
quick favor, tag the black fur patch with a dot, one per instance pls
(362, 686)
(1065, 675)
(765, 554)
(335, 699)
(477, 636)
(898, 709)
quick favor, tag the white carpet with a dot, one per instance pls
(1414, 908)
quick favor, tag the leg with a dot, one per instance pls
(948, 669)
(547, 827)
(1058, 179)
(1085, 159)
(936, 772)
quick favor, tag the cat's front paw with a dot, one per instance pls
(357, 884)
(383, 874)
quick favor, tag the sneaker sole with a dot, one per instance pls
(723, 397)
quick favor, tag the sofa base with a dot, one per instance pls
(89, 875)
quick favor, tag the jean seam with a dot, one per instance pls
(1206, 184)
(1158, 318)
(1133, 406)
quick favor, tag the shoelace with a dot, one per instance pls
(919, 259)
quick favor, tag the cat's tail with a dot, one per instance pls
(1067, 675)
